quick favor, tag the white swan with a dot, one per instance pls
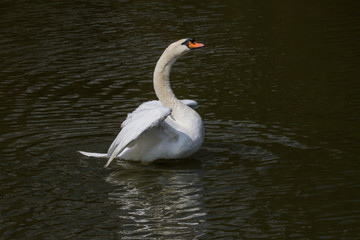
(165, 129)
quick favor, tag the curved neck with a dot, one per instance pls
(161, 79)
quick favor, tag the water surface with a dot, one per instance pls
(278, 91)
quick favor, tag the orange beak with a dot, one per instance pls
(193, 45)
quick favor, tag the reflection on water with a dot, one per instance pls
(154, 203)
(278, 91)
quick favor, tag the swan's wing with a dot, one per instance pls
(191, 103)
(147, 115)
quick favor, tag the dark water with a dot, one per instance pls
(279, 90)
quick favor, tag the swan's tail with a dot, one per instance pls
(90, 154)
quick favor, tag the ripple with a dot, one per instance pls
(154, 204)
(280, 157)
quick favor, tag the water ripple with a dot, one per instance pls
(156, 204)
(279, 98)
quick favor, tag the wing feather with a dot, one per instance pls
(146, 116)
(191, 103)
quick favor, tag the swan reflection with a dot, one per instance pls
(154, 202)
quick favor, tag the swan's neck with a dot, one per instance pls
(182, 114)
(162, 80)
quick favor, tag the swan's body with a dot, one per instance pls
(164, 129)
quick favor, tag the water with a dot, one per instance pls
(278, 91)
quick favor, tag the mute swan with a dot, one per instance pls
(164, 129)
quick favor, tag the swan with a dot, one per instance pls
(166, 129)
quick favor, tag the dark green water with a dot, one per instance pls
(279, 92)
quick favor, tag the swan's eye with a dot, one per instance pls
(191, 44)
(192, 40)
(186, 43)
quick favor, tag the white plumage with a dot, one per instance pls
(164, 129)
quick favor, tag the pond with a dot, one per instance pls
(278, 89)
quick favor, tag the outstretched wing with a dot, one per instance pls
(147, 115)
(191, 103)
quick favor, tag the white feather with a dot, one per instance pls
(146, 116)
(91, 154)
(150, 132)
(138, 115)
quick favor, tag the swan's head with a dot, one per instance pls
(182, 46)
(191, 44)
